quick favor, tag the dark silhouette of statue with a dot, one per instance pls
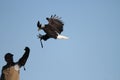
(12, 69)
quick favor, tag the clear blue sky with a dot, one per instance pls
(91, 53)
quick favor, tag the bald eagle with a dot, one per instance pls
(53, 29)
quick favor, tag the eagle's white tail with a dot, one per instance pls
(62, 37)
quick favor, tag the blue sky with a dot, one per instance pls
(91, 53)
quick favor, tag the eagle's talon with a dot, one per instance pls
(39, 36)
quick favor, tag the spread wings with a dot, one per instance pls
(55, 22)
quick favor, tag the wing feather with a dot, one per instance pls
(56, 23)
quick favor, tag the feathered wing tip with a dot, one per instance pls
(39, 25)
(56, 19)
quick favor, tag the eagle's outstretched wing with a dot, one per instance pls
(55, 22)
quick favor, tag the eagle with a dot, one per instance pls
(52, 30)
